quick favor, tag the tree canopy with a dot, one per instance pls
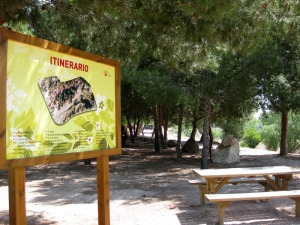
(217, 58)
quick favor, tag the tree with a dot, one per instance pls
(184, 37)
(202, 91)
(271, 131)
(278, 78)
(152, 82)
(134, 106)
(180, 119)
(228, 93)
(273, 50)
(8, 9)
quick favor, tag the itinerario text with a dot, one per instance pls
(68, 64)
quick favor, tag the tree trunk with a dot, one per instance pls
(211, 140)
(195, 120)
(178, 146)
(156, 131)
(284, 130)
(206, 136)
(130, 129)
(137, 126)
(166, 127)
(201, 139)
(161, 134)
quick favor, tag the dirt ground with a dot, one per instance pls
(146, 188)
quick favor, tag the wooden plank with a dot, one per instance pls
(56, 158)
(3, 68)
(224, 200)
(118, 107)
(247, 171)
(17, 200)
(103, 190)
(232, 180)
(253, 196)
(197, 182)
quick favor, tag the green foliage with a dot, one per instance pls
(271, 130)
(271, 136)
(253, 123)
(232, 127)
(147, 85)
(234, 87)
(251, 133)
(251, 138)
(236, 53)
(293, 139)
(218, 134)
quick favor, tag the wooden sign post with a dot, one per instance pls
(62, 104)
(17, 200)
(103, 190)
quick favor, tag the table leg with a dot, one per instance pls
(278, 181)
(283, 181)
(273, 184)
(211, 185)
(203, 191)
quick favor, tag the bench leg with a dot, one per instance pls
(297, 213)
(221, 208)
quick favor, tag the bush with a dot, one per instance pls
(217, 133)
(271, 133)
(293, 138)
(251, 138)
(271, 136)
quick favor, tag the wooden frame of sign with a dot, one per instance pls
(22, 147)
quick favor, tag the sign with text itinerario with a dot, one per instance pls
(61, 103)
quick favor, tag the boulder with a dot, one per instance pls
(171, 143)
(227, 152)
(191, 146)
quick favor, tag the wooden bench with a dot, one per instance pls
(224, 200)
(202, 183)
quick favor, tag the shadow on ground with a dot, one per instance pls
(145, 187)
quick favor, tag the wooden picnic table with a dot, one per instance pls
(217, 178)
(272, 177)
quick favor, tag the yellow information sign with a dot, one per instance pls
(57, 103)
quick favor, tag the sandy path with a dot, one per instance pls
(146, 189)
